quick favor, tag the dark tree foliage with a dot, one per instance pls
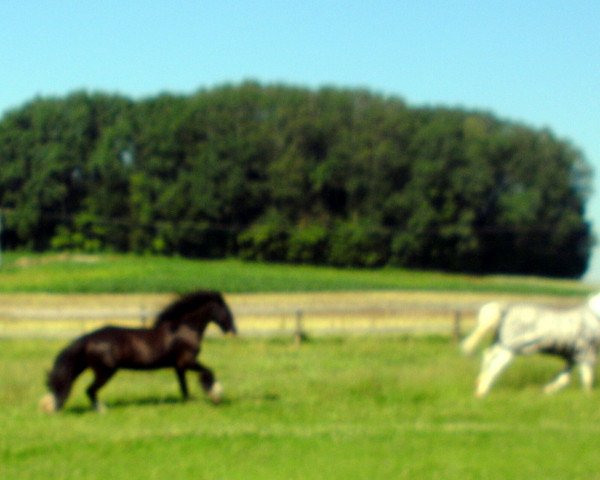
(339, 177)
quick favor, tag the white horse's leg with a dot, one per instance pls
(495, 360)
(586, 369)
(488, 357)
(560, 382)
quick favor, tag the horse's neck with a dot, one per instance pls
(204, 316)
(199, 327)
(198, 321)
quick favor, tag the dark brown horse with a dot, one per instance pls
(173, 342)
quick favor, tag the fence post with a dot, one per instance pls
(143, 315)
(299, 335)
(456, 327)
(0, 238)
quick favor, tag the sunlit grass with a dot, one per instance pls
(359, 407)
(128, 273)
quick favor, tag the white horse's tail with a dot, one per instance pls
(488, 320)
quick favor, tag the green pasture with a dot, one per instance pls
(358, 407)
(72, 273)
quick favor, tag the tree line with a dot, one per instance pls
(278, 173)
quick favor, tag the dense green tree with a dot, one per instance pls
(344, 177)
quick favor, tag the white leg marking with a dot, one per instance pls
(216, 393)
(48, 403)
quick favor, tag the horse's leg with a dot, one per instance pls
(486, 360)
(495, 360)
(187, 361)
(182, 383)
(102, 376)
(561, 381)
(586, 369)
(209, 383)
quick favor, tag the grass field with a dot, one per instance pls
(359, 407)
(390, 407)
(72, 273)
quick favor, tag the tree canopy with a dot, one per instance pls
(278, 173)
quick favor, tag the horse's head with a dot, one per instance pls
(223, 317)
(594, 304)
(196, 310)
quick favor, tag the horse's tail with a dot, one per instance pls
(68, 365)
(488, 320)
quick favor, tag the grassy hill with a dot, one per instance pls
(111, 273)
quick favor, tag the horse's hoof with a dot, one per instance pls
(100, 408)
(480, 393)
(48, 403)
(216, 393)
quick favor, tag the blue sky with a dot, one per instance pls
(536, 62)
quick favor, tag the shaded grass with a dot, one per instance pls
(358, 407)
(129, 273)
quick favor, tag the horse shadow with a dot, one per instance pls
(151, 402)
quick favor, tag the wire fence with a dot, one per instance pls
(296, 323)
(294, 316)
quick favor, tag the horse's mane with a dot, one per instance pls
(177, 311)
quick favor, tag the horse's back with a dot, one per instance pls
(115, 346)
(529, 327)
(544, 316)
(115, 334)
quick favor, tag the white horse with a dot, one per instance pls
(520, 329)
